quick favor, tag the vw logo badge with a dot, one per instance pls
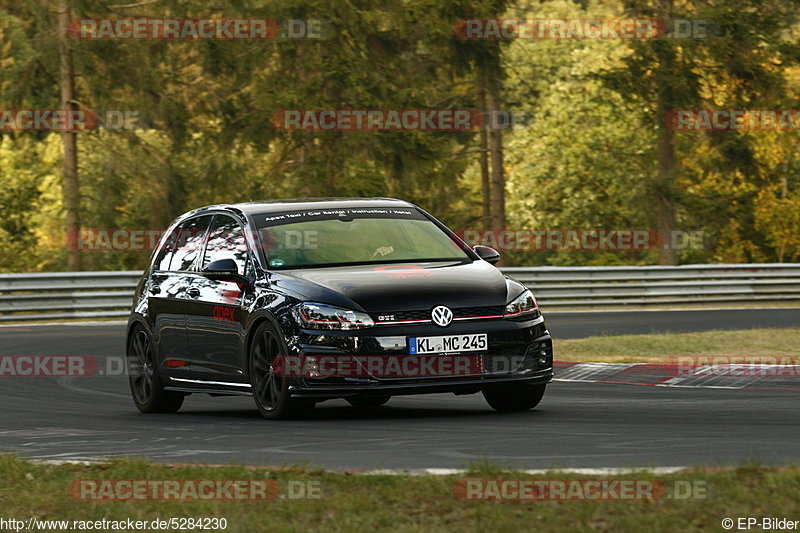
(441, 315)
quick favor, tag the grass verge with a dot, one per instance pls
(404, 503)
(663, 347)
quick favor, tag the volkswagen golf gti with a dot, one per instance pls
(295, 302)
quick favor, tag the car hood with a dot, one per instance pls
(398, 287)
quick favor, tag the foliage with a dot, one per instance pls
(584, 157)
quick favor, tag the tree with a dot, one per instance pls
(736, 64)
(70, 186)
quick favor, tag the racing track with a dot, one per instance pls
(577, 424)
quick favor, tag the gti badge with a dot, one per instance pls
(442, 316)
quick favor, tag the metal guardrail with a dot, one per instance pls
(88, 295)
(63, 295)
(588, 287)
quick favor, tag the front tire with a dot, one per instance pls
(146, 388)
(270, 390)
(514, 396)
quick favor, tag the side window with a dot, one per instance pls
(167, 251)
(189, 242)
(226, 241)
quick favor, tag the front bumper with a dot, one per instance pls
(518, 352)
(465, 386)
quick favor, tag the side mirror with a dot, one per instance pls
(490, 255)
(222, 269)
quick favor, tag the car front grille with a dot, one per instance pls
(425, 314)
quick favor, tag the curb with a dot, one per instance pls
(722, 376)
(603, 471)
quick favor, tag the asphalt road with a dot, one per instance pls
(577, 424)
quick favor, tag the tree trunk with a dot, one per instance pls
(486, 192)
(157, 216)
(664, 203)
(664, 189)
(69, 184)
(498, 194)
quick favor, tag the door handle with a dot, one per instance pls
(194, 292)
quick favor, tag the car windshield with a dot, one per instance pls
(333, 237)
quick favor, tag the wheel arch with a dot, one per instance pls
(133, 322)
(255, 323)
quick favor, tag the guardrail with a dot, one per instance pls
(586, 287)
(62, 295)
(88, 295)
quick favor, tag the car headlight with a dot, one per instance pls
(320, 316)
(523, 306)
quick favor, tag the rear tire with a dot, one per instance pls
(368, 401)
(514, 396)
(271, 391)
(145, 382)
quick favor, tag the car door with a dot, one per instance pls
(167, 291)
(214, 310)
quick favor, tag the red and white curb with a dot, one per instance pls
(725, 376)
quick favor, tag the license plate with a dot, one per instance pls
(475, 342)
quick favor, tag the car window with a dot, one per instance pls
(353, 236)
(226, 241)
(189, 242)
(167, 251)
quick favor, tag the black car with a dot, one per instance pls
(299, 301)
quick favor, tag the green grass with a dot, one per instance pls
(664, 347)
(354, 503)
